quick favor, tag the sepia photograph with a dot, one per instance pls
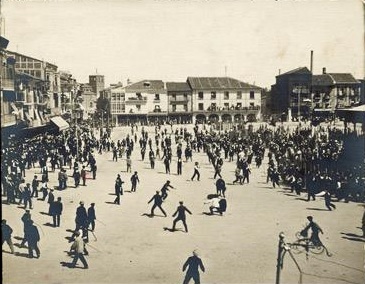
(182, 141)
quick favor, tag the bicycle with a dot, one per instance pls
(308, 244)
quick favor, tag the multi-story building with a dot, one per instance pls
(38, 88)
(179, 102)
(146, 100)
(331, 91)
(291, 93)
(97, 83)
(10, 114)
(87, 100)
(224, 99)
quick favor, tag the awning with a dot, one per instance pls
(60, 123)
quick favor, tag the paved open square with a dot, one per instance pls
(130, 246)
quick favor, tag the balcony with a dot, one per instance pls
(136, 101)
(176, 101)
(249, 109)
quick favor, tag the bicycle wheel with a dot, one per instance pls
(298, 247)
(316, 249)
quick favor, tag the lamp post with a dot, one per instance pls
(299, 89)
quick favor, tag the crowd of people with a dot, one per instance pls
(318, 161)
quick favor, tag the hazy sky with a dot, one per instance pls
(174, 39)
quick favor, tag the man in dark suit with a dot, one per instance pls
(181, 216)
(32, 236)
(57, 212)
(157, 202)
(193, 262)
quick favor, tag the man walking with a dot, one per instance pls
(118, 189)
(32, 236)
(181, 216)
(157, 202)
(91, 216)
(78, 246)
(194, 263)
(83, 176)
(81, 218)
(57, 212)
(196, 172)
(6, 232)
(134, 181)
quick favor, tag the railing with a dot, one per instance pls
(234, 109)
(135, 100)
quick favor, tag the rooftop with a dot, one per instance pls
(217, 83)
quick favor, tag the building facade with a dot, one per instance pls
(331, 91)
(292, 93)
(179, 97)
(10, 114)
(224, 99)
(38, 88)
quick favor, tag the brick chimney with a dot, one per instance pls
(324, 70)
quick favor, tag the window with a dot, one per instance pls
(30, 65)
(213, 95)
(38, 74)
(157, 97)
(185, 96)
(185, 107)
(24, 65)
(173, 97)
(252, 95)
(239, 95)
(37, 65)
(226, 106)
(226, 95)
(252, 104)
(138, 107)
(213, 106)
(201, 106)
(200, 95)
(173, 108)
(239, 105)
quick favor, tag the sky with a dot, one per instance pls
(169, 40)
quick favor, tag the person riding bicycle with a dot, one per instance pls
(314, 238)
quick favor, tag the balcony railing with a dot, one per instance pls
(136, 101)
(231, 109)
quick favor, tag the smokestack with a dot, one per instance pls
(279, 71)
(324, 70)
(311, 66)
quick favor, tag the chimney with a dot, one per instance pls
(324, 70)
(311, 66)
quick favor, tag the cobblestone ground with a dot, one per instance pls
(238, 247)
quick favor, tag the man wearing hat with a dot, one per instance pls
(81, 218)
(27, 196)
(50, 202)
(35, 184)
(91, 216)
(57, 212)
(78, 246)
(181, 216)
(134, 181)
(26, 218)
(316, 229)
